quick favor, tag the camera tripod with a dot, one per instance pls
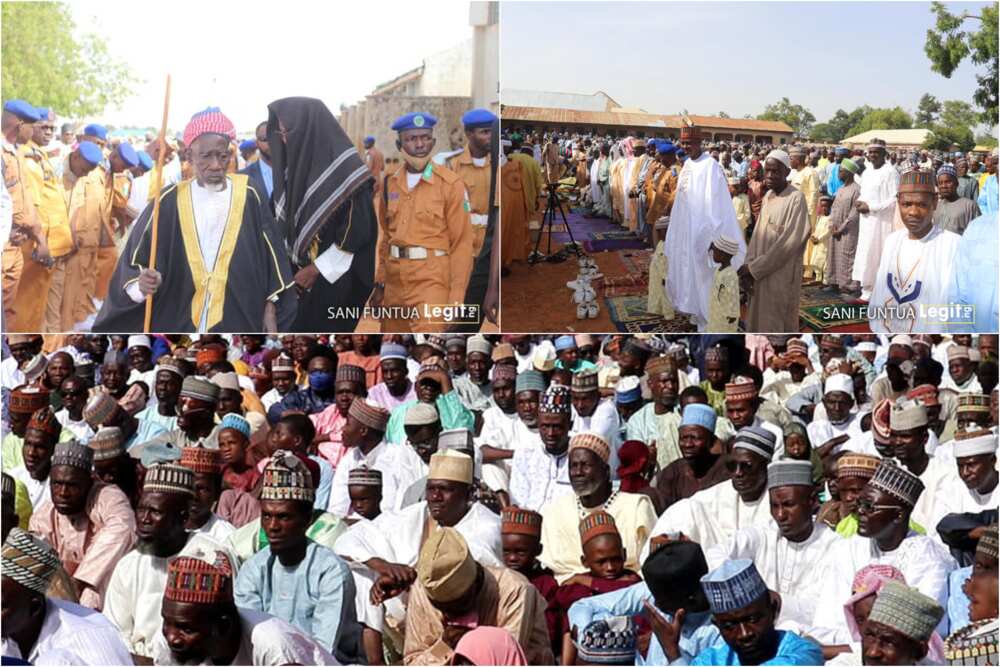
(548, 219)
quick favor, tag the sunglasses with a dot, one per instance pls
(864, 505)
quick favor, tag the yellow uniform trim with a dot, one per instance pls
(211, 283)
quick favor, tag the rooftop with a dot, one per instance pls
(569, 116)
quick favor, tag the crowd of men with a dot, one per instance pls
(280, 235)
(747, 224)
(500, 500)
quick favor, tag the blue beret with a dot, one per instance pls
(565, 343)
(478, 118)
(416, 120)
(840, 150)
(127, 153)
(90, 152)
(95, 130)
(681, 153)
(247, 144)
(145, 160)
(665, 147)
(369, 139)
(22, 110)
(43, 113)
(651, 142)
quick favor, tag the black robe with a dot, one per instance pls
(353, 228)
(258, 269)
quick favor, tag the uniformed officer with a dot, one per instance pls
(121, 159)
(473, 166)
(86, 193)
(44, 182)
(16, 124)
(425, 250)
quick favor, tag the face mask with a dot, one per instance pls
(712, 264)
(416, 163)
(321, 380)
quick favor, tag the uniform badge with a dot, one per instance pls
(418, 121)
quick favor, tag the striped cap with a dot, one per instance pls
(44, 420)
(351, 373)
(392, 351)
(201, 460)
(657, 365)
(451, 465)
(169, 478)
(898, 482)
(200, 388)
(420, 414)
(285, 364)
(717, 354)
(610, 641)
(517, 521)
(906, 610)
(741, 389)
(927, 394)
(917, 180)
(73, 454)
(436, 343)
(555, 400)
(881, 432)
(372, 415)
(988, 542)
(99, 408)
(479, 344)
(975, 443)
(107, 443)
(593, 442)
(237, 423)
(195, 580)
(365, 476)
(958, 352)
(210, 120)
(28, 399)
(789, 473)
(733, 585)
(756, 439)
(597, 523)
(974, 403)
(171, 364)
(286, 477)
(455, 341)
(628, 390)
(504, 373)
(584, 382)
(530, 381)
(860, 466)
(502, 351)
(28, 560)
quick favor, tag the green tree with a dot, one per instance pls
(927, 111)
(957, 113)
(47, 64)
(948, 44)
(795, 116)
(945, 137)
(986, 140)
(843, 121)
(882, 119)
(825, 133)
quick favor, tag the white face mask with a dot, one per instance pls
(712, 264)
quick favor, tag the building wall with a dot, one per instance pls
(447, 73)
(484, 17)
(376, 114)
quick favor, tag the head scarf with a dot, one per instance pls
(316, 173)
(487, 645)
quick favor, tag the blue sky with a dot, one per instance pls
(698, 55)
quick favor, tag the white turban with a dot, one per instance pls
(781, 156)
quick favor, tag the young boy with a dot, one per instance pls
(738, 191)
(658, 302)
(724, 299)
(282, 380)
(820, 240)
(521, 536)
(604, 556)
(238, 471)
(364, 486)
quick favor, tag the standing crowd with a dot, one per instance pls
(500, 500)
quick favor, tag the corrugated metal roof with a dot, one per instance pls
(568, 116)
(599, 101)
(904, 137)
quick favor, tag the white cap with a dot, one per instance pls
(866, 346)
(982, 444)
(227, 380)
(839, 382)
(139, 341)
(544, 358)
(902, 339)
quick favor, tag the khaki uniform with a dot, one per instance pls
(89, 218)
(431, 220)
(376, 164)
(119, 187)
(661, 188)
(36, 279)
(24, 216)
(477, 184)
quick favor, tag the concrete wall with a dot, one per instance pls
(447, 73)
(376, 114)
(484, 17)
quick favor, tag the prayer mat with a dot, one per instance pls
(819, 311)
(659, 325)
(607, 245)
(613, 235)
(636, 262)
(627, 308)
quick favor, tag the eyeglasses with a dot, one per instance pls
(865, 506)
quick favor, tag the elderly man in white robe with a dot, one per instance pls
(590, 478)
(789, 550)
(773, 270)
(911, 287)
(702, 211)
(909, 434)
(877, 205)
(842, 424)
(970, 486)
(505, 428)
(884, 537)
(592, 414)
(713, 515)
(384, 552)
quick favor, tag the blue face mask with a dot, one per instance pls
(321, 380)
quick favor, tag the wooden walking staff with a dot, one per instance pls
(157, 185)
